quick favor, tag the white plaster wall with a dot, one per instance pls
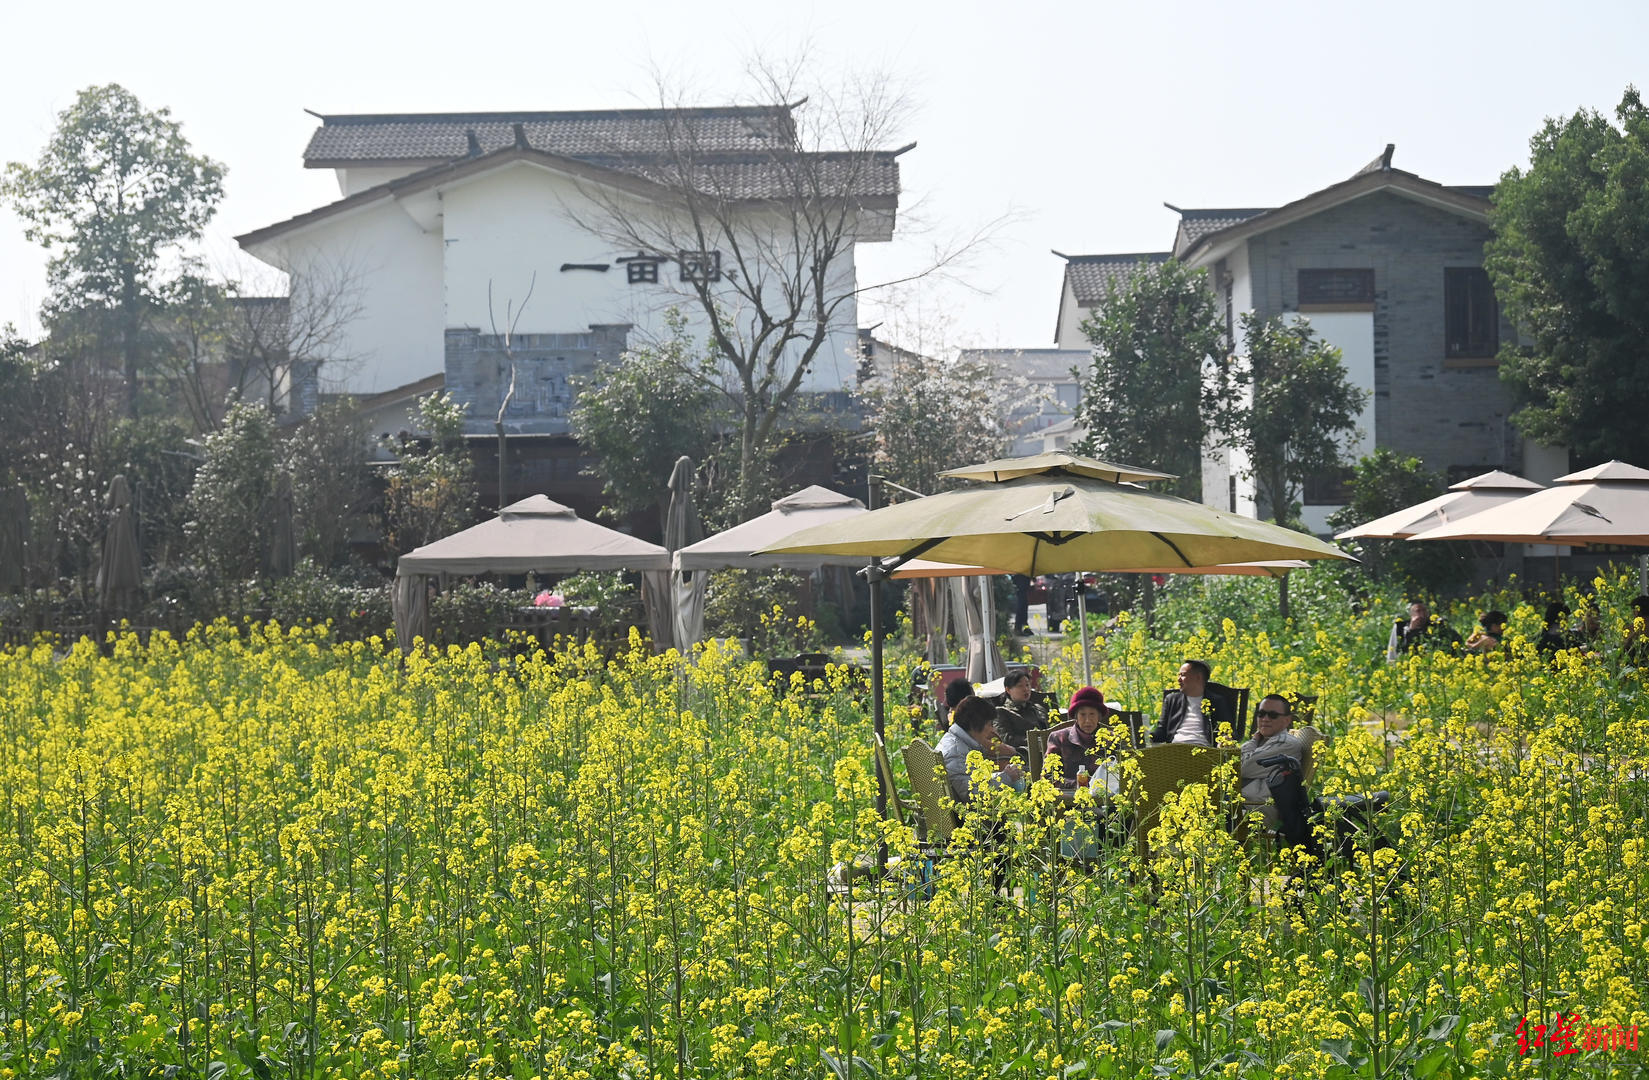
(508, 225)
(1352, 332)
(360, 178)
(393, 269)
(1220, 463)
(1068, 334)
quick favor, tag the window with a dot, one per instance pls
(1470, 316)
(1331, 488)
(700, 266)
(1336, 288)
(1069, 395)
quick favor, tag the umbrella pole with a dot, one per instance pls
(1082, 629)
(874, 575)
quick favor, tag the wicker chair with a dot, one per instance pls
(884, 771)
(929, 785)
(1164, 768)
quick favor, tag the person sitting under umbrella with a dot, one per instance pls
(1491, 631)
(970, 730)
(1193, 713)
(1077, 745)
(1020, 709)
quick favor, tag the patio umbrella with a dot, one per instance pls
(1056, 461)
(1459, 502)
(14, 536)
(1051, 520)
(119, 574)
(681, 529)
(1606, 504)
(410, 601)
(283, 549)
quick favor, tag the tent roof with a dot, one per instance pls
(1056, 462)
(813, 505)
(1460, 501)
(1607, 504)
(535, 534)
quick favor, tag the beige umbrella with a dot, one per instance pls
(1052, 520)
(1459, 502)
(119, 573)
(1056, 462)
(1606, 504)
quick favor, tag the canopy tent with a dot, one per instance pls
(734, 548)
(535, 535)
(1606, 504)
(1459, 502)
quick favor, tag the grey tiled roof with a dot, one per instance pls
(736, 153)
(365, 139)
(1093, 277)
(1196, 224)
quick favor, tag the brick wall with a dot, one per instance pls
(1448, 416)
(547, 369)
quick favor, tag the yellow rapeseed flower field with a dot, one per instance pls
(259, 852)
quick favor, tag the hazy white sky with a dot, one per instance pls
(1079, 119)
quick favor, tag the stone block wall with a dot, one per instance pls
(548, 367)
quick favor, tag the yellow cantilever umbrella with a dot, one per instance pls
(1054, 516)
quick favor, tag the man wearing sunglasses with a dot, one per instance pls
(1261, 768)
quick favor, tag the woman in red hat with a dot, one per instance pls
(1077, 745)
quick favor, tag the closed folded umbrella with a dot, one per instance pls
(14, 534)
(1459, 502)
(119, 573)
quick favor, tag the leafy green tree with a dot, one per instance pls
(325, 456)
(431, 489)
(1143, 400)
(1384, 482)
(1568, 263)
(1289, 406)
(930, 415)
(638, 416)
(115, 192)
(233, 492)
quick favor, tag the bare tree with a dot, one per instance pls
(512, 316)
(278, 334)
(762, 241)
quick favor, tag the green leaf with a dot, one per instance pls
(1164, 1037)
(1443, 1028)
(1431, 1062)
(835, 1065)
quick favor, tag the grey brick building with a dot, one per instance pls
(1386, 265)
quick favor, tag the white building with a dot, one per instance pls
(455, 229)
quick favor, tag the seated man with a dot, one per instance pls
(970, 730)
(1193, 713)
(1020, 710)
(1419, 631)
(1272, 739)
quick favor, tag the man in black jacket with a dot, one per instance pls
(1193, 713)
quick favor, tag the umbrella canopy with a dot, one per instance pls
(810, 506)
(1056, 523)
(1274, 568)
(1056, 462)
(1607, 504)
(1460, 501)
(119, 575)
(535, 534)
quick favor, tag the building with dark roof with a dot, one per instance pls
(455, 229)
(1386, 265)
